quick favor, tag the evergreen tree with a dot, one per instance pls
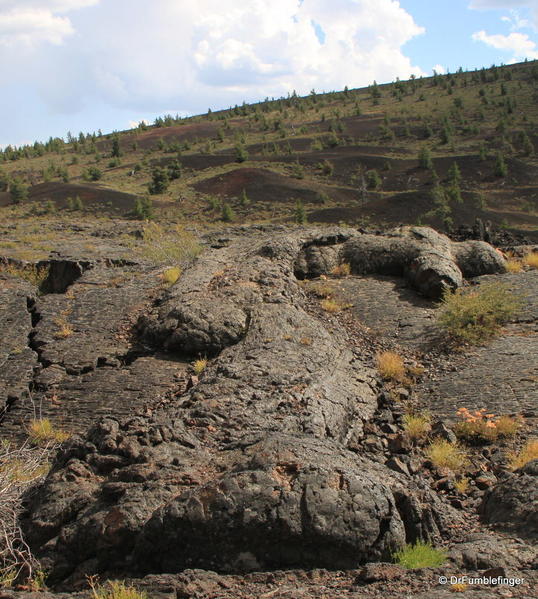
(425, 158)
(116, 151)
(300, 213)
(227, 213)
(18, 191)
(143, 208)
(373, 179)
(454, 174)
(528, 146)
(501, 168)
(241, 154)
(92, 173)
(159, 180)
(174, 170)
(243, 198)
(4, 181)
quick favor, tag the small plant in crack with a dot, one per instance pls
(199, 366)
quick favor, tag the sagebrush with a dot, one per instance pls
(475, 315)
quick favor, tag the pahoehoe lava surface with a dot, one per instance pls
(259, 465)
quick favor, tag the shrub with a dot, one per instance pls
(199, 366)
(420, 555)
(476, 315)
(417, 426)
(42, 432)
(342, 270)
(444, 454)
(525, 455)
(391, 366)
(171, 275)
(480, 427)
(531, 260)
(20, 468)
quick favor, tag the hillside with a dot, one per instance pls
(377, 156)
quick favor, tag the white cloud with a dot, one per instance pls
(32, 26)
(518, 44)
(439, 69)
(531, 5)
(31, 22)
(48, 5)
(516, 21)
(211, 52)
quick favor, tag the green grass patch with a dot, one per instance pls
(420, 555)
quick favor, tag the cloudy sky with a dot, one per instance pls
(81, 65)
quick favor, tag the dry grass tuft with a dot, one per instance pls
(462, 485)
(42, 432)
(391, 366)
(459, 587)
(115, 589)
(507, 426)
(513, 265)
(444, 454)
(171, 275)
(525, 455)
(64, 328)
(166, 246)
(322, 290)
(199, 366)
(334, 306)
(531, 260)
(342, 270)
(417, 426)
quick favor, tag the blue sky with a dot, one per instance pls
(81, 65)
